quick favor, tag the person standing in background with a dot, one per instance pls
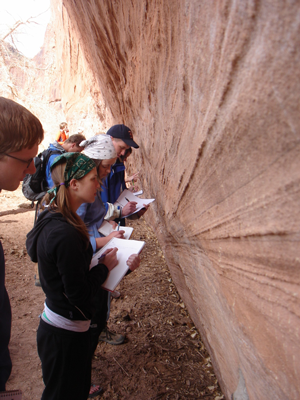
(122, 140)
(63, 133)
(115, 182)
(20, 135)
(70, 145)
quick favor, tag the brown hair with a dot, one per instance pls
(62, 125)
(61, 202)
(77, 138)
(126, 155)
(19, 128)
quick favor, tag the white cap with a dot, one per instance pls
(99, 147)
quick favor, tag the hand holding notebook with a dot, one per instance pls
(106, 228)
(125, 249)
(126, 196)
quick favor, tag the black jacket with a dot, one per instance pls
(63, 258)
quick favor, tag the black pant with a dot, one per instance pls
(98, 322)
(5, 327)
(121, 220)
(66, 362)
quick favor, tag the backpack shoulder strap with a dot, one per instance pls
(48, 153)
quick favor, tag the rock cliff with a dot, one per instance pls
(81, 97)
(34, 83)
(211, 92)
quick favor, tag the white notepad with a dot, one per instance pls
(127, 196)
(106, 228)
(125, 249)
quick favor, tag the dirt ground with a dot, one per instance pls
(163, 356)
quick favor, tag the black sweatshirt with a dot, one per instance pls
(63, 258)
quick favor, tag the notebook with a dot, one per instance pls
(106, 228)
(11, 395)
(125, 249)
(127, 196)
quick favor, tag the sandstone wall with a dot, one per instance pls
(34, 83)
(82, 100)
(211, 92)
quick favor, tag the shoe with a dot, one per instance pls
(111, 337)
(115, 294)
(95, 390)
(37, 282)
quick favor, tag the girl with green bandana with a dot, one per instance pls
(59, 242)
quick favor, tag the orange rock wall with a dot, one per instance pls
(211, 92)
(81, 98)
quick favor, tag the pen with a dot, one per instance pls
(118, 226)
(133, 184)
(102, 256)
(127, 199)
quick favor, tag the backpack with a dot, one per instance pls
(35, 186)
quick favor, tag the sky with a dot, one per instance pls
(29, 38)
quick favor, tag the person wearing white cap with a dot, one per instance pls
(101, 149)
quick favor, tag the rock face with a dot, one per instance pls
(211, 92)
(82, 99)
(34, 83)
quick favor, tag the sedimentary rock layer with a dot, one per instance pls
(211, 92)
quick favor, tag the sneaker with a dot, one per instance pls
(95, 390)
(111, 337)
(37, 282)
(115, 294)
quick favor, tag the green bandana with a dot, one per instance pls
(78, 165)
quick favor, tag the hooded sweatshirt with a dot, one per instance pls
(63, 257)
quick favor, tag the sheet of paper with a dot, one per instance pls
(127, 196)
(138, 193)
(125, 249)
(106, 228)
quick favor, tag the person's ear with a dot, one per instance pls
(74, 184)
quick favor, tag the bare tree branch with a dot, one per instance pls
(17, 25)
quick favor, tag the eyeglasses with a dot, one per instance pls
(28, 162)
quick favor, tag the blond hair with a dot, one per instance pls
(61, 202)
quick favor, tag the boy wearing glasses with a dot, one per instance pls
(20, 135)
